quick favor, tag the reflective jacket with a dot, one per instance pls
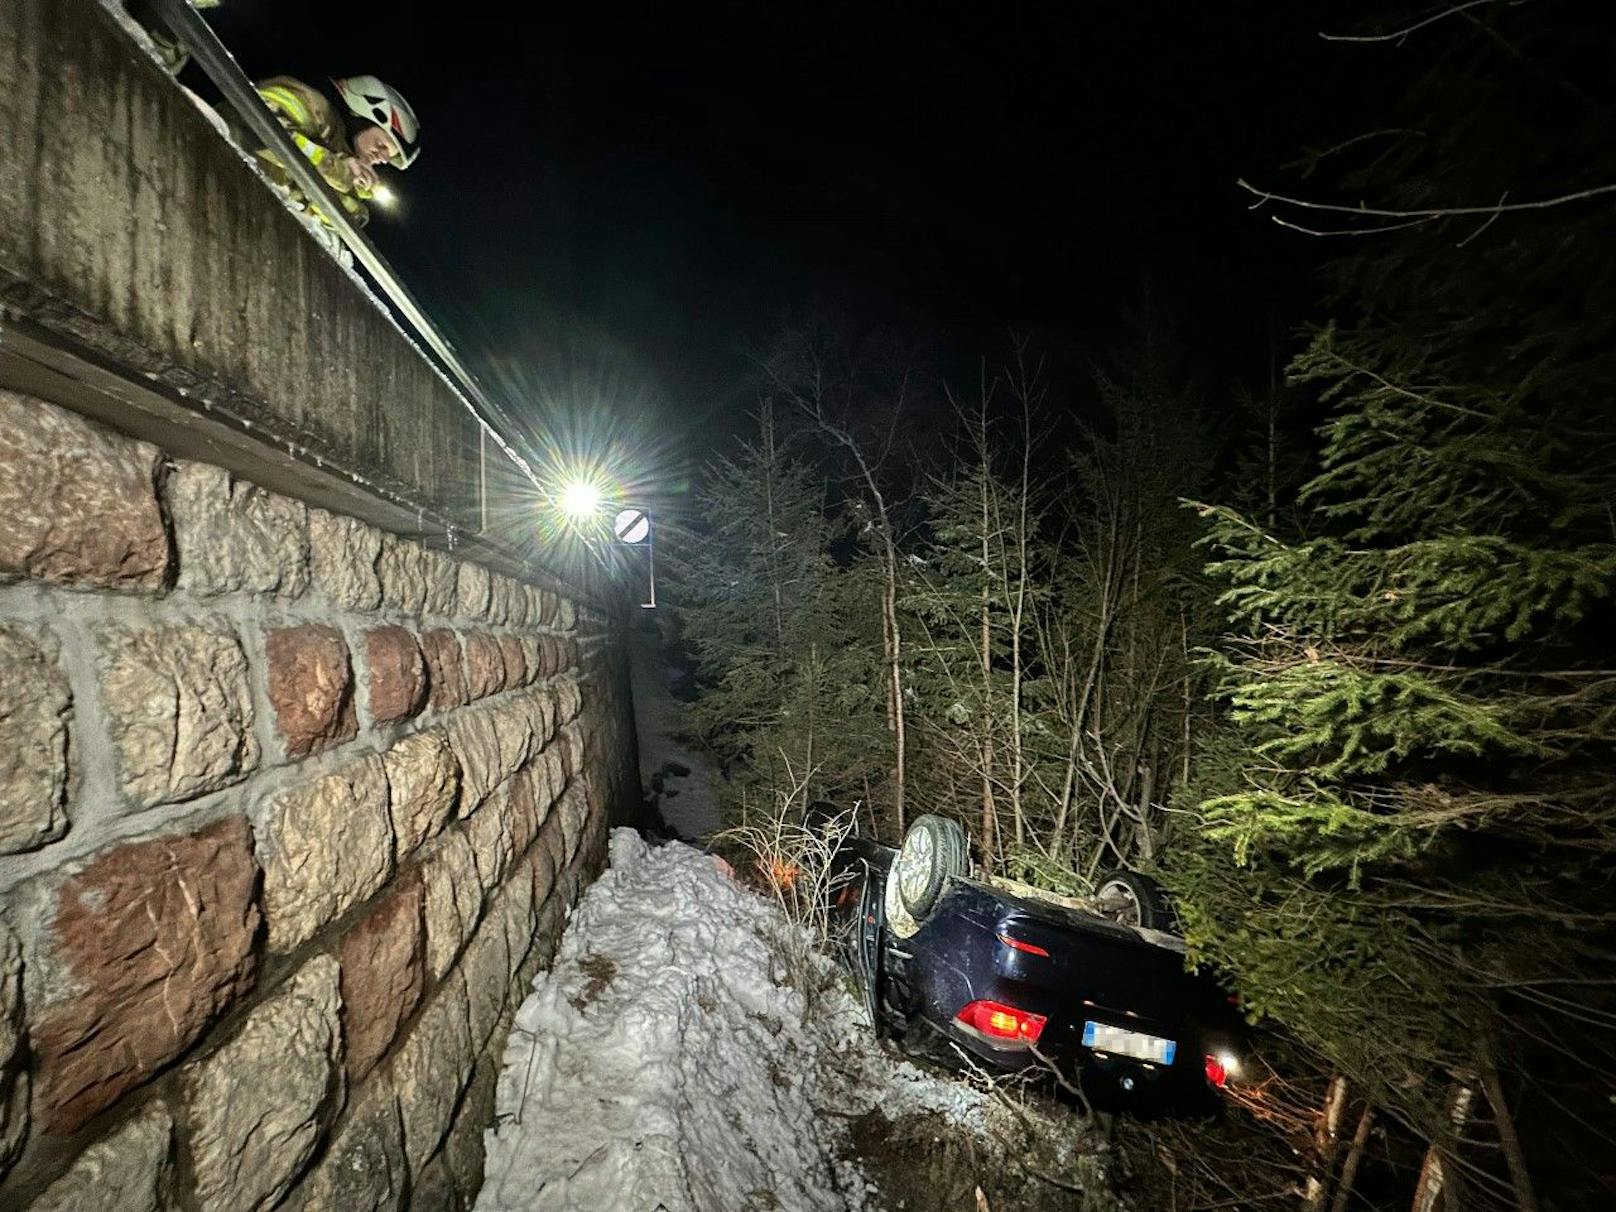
(317, 130)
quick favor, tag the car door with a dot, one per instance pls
(867, 942)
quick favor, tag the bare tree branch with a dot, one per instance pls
(1411, 218)
(1348, 231)
(1398, 35)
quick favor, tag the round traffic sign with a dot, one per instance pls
(632, 526)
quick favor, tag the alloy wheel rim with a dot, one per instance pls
(914, 864)
(1117, 902)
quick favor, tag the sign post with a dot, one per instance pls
(632, 526)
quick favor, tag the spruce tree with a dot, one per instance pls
(973, 595)
(1409, 839)
(786, 687)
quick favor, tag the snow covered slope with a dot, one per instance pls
(657, 1065)
(661, 1064)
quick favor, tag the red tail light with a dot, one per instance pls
(999, 1021)
(1216, 1072)
(1016, 944)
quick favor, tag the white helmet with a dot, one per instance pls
(368, 98)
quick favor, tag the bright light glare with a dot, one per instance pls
(580, 499)
(383, 195)
(1230, 1063)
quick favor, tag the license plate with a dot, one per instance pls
(1103, 1037)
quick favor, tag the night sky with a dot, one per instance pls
(624, 202)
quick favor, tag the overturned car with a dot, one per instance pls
(1096, 991)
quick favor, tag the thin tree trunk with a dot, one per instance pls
(813, 713)
(1024, 388)
(886, 655)
(1439, 1178)
(985, 721)
(772, 538)
(1147, 789)
(1349, 1169)
(900, 755)
(892, 650)
(1326, 1140)
(1520, 1178)
(1092, 702)
(1017, 617)
(1273, 435)
(1073, 747)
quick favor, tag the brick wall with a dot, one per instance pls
(291, 812)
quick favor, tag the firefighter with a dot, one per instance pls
(170, 52)
(347, 134)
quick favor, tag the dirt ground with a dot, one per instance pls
(921, 1163)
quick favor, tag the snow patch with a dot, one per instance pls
(659, 1064)
(665, 1062)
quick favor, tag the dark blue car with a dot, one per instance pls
(1095, 992)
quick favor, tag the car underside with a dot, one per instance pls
(1023, 982)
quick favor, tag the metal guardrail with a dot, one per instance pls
(215, 59)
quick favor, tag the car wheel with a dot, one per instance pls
(1133, 900)
(933, 850)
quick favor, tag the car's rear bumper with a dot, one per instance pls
(1107, 1081)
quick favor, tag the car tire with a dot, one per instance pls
(1132, 899)
(934, 850)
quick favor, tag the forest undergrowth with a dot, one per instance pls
(1329, 655)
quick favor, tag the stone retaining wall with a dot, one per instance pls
(132, 233)
(291, 812)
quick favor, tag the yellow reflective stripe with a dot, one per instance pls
(285, 99)
(311, 149)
